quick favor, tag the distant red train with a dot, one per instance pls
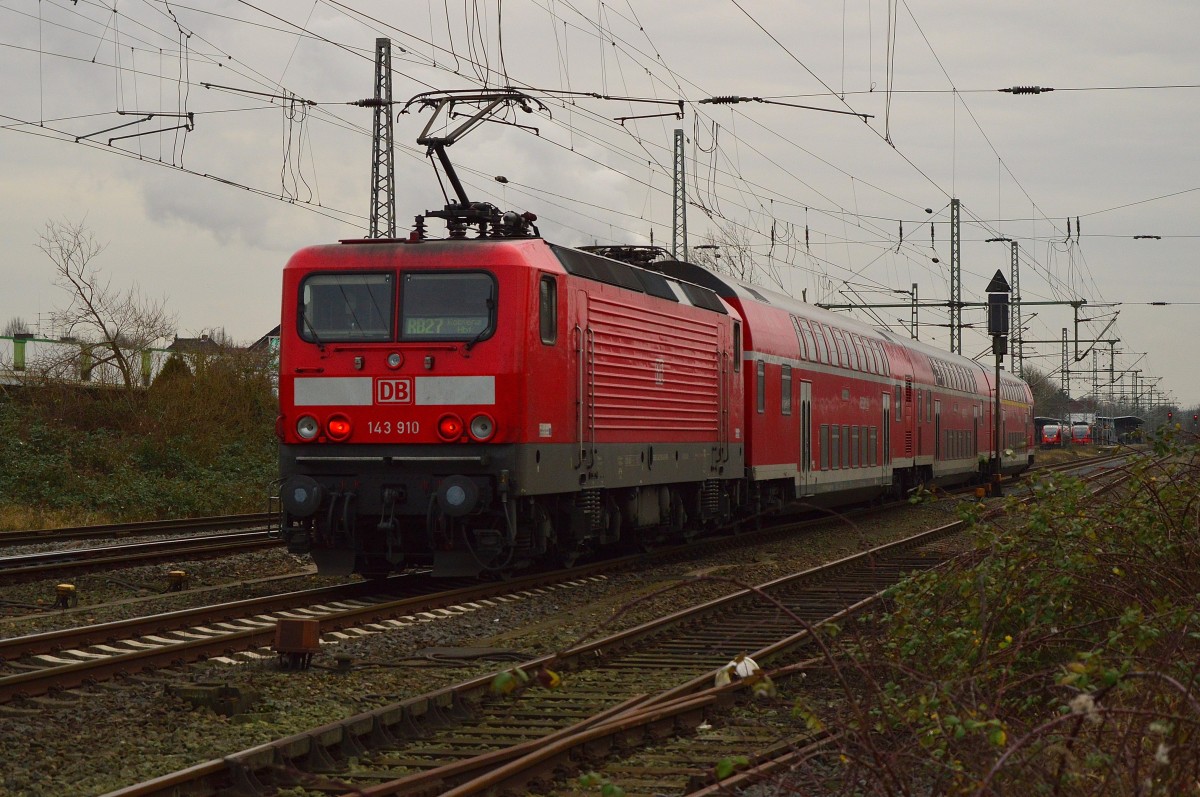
(484, 403)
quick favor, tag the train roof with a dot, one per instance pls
(732, 289)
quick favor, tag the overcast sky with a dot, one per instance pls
(206, 218)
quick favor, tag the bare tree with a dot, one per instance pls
(730, 251)
(115, 325)
(16, 326)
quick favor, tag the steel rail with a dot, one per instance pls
(28, 566)
(141, 528)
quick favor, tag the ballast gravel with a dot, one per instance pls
(117, 734)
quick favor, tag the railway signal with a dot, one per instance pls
(997, 291)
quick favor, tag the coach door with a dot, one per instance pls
(937, 429)
(585, 383)
(887, 427)
(975, 431)
(805, 436)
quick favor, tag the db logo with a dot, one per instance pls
(393, 391)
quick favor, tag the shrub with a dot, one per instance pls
(1060, 656)
(193, 444)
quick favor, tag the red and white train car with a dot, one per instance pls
(481, 404)
(837, 410)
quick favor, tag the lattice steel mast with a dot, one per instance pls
(679, 203)
(383, 175)
(955, 282)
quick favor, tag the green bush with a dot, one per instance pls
(1060, 656)
(197, 443)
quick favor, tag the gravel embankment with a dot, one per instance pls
(118, 735)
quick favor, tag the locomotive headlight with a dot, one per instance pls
(450, 427)
(395, 360)
(307, 427)
(338, 427)
(482, 427)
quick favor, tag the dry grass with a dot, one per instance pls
(22, 518)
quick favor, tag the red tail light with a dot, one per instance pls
(450, 427)
(338, 427)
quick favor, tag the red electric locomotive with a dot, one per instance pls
(478, 404)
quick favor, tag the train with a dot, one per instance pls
(1054, 435)
(490, 401)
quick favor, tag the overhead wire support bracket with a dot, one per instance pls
(147, 118)
(672, 114)
(189, 125)
(265, 94)
(730, 99)
(563, 93)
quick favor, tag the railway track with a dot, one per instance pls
(428, 744)
(53, 661)
(635, 688)
(74, 560)
(140, 529)
(72, 657)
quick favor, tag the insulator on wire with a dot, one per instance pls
(1027, 90)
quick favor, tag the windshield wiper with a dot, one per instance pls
(316, 337)
(491, 304)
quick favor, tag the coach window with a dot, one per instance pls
(548, 309)
(861, 352)
(824, 446)
(800, 344)
(833, 448)
(761, 367)
(786, 382)
(822, 348)
(806, 330)
(872, 355)
(346, 307)
(845, 445)
(843, 358)
(899, 405)
(459, 305)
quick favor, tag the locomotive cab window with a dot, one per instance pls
(346, 307)
(448, 305)
(548, 309)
